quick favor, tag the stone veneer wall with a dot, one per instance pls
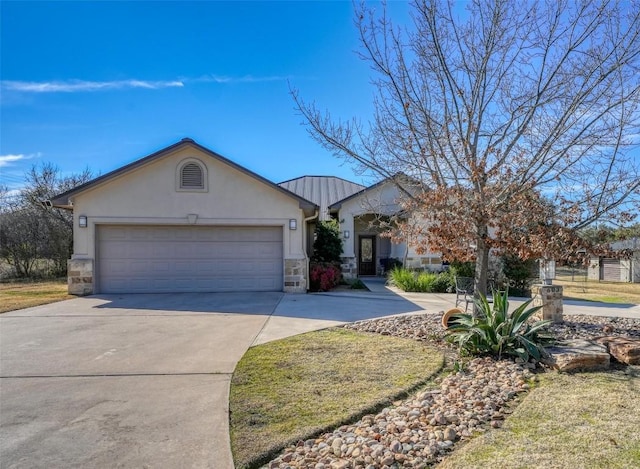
(550, 298)
(349, 267)
(295, 275)
(80, 276)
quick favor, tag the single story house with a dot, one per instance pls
(186, 219)
(625, 268)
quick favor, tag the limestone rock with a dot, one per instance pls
(623, 349)
(579, 354)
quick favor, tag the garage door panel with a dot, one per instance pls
(611, 270)
(142, 259)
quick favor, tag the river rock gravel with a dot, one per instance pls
(419, 431)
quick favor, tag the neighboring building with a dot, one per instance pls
(185, 219)
(625, 268)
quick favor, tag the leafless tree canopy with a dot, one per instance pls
(31, 235)
(518, 119)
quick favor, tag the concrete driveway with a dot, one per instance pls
(123, 381)
(143, 380)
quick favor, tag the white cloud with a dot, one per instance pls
(243, 79)
(73, 86)
(6, 160)
(78, 86)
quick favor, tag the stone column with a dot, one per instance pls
(80, 276)
(349, 267)
(295, 275)
(550, 298)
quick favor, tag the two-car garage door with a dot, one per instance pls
(150, 259)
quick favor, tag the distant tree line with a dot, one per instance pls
(36, 241)
(607, 233)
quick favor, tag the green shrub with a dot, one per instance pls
(463, 269)
(495, 331)
(420, 282)
(402, 278)
(328, 246)
(425, 281)
(444, 283)
(519, 274)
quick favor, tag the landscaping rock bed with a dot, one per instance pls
(419, 431)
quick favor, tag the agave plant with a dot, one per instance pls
(495, 331)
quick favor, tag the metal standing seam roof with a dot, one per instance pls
(323, 191)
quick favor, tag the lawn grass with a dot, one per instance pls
(588, 420)
(607, 292)
(26, 294)
(294, 388)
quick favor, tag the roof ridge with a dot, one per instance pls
(320, 176)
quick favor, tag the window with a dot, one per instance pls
(192, 176)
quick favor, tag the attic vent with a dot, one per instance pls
(191, 177)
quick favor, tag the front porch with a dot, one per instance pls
(365, 250)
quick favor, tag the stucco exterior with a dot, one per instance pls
(149, 194)
(356, 214)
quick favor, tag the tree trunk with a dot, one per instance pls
(482, 263)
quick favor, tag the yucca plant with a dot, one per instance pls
(495, 331)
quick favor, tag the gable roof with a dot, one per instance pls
(64, 200)
(322, 190)
(395, 179)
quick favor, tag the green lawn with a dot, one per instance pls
(27, 294)
(607, 292)
(588, 420)
(293, 388)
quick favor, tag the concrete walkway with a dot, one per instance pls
(434, 302)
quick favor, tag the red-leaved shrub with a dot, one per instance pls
(324, 276)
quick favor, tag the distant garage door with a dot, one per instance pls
(157, 259)
(610, 270)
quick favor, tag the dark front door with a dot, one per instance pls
(367, 255)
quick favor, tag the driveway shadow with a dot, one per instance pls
(260, 303)
(343, 307)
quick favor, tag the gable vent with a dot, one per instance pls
(191, 177)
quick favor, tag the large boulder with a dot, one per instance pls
(578, 355)
(623, 349)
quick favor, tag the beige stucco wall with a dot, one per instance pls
(149, 195)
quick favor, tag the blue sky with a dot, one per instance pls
(101, 84)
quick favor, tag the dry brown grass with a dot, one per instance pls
(609, 292)
(287, 390)
(586, 420)
(25, 295)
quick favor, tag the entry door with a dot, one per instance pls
(367, 255)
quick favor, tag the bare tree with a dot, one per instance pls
(517, 120)
(31, 233)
